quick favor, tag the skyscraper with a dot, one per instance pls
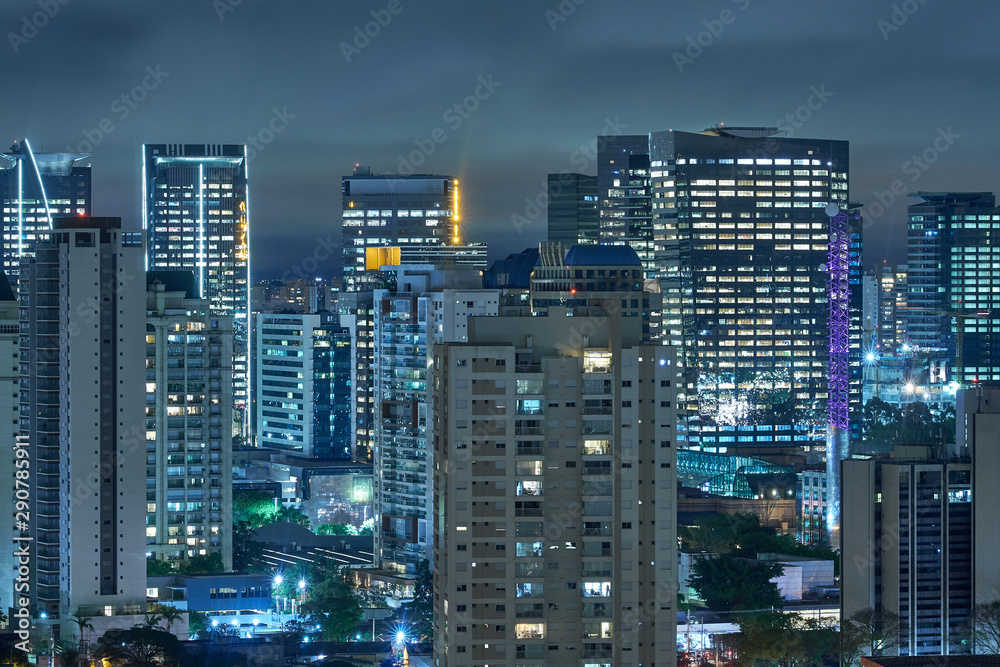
(742, 248)
(303, 380)
(9, 429)
(390, 210)
(189, 353)
(194, 201)
(562, 430)
(623, 194)
(572, 209)
(82, 415)
(33, 188)
(430, 306)
(952, 308)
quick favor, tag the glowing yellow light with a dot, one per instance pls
(454, 213)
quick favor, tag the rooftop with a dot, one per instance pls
(602, 255)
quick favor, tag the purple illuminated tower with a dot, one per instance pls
(838, 427)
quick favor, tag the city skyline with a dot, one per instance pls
(337, 97)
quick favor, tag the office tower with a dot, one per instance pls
(554, 537)
(428, 307)
(742, 263)
(952, 309)
(923, 542)
(624, 196)
(194, 207)
(871, 299)
(572, 209)
(34, 187)
(303, 379)
(893, 308)
(82, 414)
(189, 441)
(391, 210)
(9, 429)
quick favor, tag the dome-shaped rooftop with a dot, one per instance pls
(602, 255)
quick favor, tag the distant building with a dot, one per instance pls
(382, 210)
(189, 357)
(303, 389)
(9, 429)
(572, 209)
(951, 306)
(83, 417)
(35, 187)
(923, 542)
(194, 203)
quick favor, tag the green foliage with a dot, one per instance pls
(367, 528)
(139, 646)
(776, 638)
(208, 564)
(418, 613)
(158, 568)
(11, 655)
(742, 534)
(248, 554)
(729, 582)
(257, 508)
(198, 624)
(336, 529)
(332, 605)
(884, 426)
(168, 613)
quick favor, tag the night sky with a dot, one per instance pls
(893, 78)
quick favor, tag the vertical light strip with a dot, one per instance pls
(201, 229)
(454, 213)
(45, 200)
(20, 209)
(145, 227)
(246, 231)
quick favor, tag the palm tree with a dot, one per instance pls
(83, 623)
(151, 620)
(169, 613)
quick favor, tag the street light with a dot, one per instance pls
(302, 594)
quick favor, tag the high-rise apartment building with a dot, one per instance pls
(572, 209)
(356, 312)
(951, 306)
(922, 542)
(189, 442)
(82, 416)
(34, 187)
(430, 306)
(9, 430)
(381, 210)
(194, 203)
(554, 539)
(893, 309)
(303, 375)
(743, 244)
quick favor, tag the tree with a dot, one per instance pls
(207, 564)
(158, 568)
(198, 625)
(880, 425)
(257, 508)
(986, 627)
(729, 582)
(333, 606)
(82, 623)
(169, 613)
(336, 529)
(248, 553)
(292, 515)
(417, 614)
(139, 646)
(877, 630)
(367, 527)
